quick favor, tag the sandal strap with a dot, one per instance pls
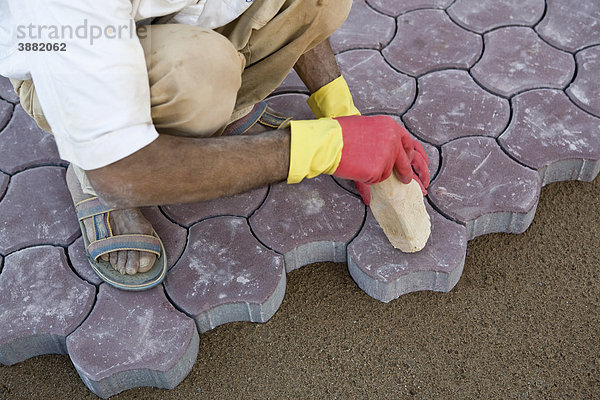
(242, 125)
(272, 120)
(146, 243)
(90, 207)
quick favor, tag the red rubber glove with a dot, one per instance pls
(376, 146)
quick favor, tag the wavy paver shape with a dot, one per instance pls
(480, 187)
(571, 25)
(29, 216)
(364, 29)
(242, 205)
(3, 184)
(375, 86)
(386, 273)
(41, 302)
(133, 339)
(516, 59)
(6, 110)
(549, 134)
(25, 145)
(308, 222)
(7, 92)
(484, 15)
(226, 275)
(395, 7)
(584, 90)
(428, 40)
(451, 105)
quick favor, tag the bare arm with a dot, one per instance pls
(181, 169)
(317, 67)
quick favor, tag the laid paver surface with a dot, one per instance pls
(504, 99)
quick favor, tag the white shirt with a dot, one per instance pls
(95, 94)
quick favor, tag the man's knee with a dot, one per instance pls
(194, 83)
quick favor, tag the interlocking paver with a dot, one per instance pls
(516, 59)
(571, 25)
(3, 184)
(308, 222)
(484, 15)
(41, 302)
(30, 216)
(6, 91)
(173, 236)
(481, 187)
(386, 273)
(231, 255)
(226, 275)
(133, 339)
(451, 105)
(80, 263)
(375, 86)
(291, 105)
(25, 145)
(549, 134)
(395, 7)
(584, 90)
(364, 29)
(6, 110)
(428, 40)
(241, 205)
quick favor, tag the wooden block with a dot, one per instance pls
(400, 211)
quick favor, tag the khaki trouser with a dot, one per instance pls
(200, 80)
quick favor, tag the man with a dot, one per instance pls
(173, 111)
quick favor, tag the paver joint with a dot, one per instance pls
(502, 94)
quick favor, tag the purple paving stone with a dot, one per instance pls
(364, 28)
(571, 25)
(428, 40)
(308, 222)
(41, 302)
(481, 187)
(6, 111)
(80, 262)
(450, 105)
(481, 16)
(25, 145)
(516, 59)
(3, 184)
(226, 275)
(291, 105)
(584, 91)
(241, 205)
(133, 339)
(549, 134)
(173, 236)
(6, 90)
(395, 7)
(375, 86)
(37, 209)
(291, 83)
(386, 273)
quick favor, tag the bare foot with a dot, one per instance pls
(129, 221)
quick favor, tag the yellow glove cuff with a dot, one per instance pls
(333, 100)
(315, 148)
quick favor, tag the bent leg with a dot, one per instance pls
(273, 34)
(194, 76)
